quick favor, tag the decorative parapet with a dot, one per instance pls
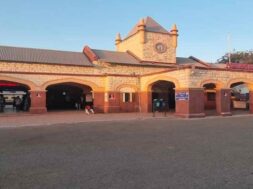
(240, 67)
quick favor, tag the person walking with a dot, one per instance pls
(2, 103)
(18, 103)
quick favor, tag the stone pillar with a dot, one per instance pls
(136, 101)
(98, 101)
(38, 102)
(190, 102)
(223, 100)
(145, 101)
(251, 101)
(112, 102)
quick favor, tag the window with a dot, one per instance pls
(127, 97)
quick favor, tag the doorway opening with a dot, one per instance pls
(14, 97)
(239, 98)
(163, 91)
(210, 99)
(68, 96)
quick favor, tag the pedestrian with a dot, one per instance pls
(2, 103)
(89, 110)
(18, 103)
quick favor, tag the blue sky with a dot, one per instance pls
(70, 25)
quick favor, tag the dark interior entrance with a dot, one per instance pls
(165, 91)
(68, 96)
(14, 97)
(239, 97)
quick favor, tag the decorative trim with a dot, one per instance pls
(69, 74)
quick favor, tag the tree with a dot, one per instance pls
(244, 57)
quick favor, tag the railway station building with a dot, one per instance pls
(143, 68)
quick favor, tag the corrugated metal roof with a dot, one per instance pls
(115, 57)
(183, 60)
(151, 26)
(190, 61)
(18, 54)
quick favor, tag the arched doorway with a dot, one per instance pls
(163, 91)
(240, 97)
(68, 96)
(210, 98)
(14, 97)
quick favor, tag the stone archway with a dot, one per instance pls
(163, 91)
(216, 97)
(241, 95)
(14, 96)
(159, 89)
(68, 96)
(97, 92)
(145, 93)
(29, 84)
(71, 80)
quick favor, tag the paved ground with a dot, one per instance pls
(26, 119)
(70, 117)
(135, 154)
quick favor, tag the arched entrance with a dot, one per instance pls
(68, 96)
(14, 97)
(163, 91)
(210, 98)
(240, 97)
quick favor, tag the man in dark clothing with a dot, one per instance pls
(2, 103)
(18, 103)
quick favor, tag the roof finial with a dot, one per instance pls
(118, 39)
(142, 24)
(174, 29)
(174, 34)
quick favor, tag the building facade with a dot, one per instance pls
(143, 68)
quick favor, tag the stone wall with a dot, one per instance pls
(149, 52)
(132, 44)
(180, 78)
(38, 75)
(222, 78)
(146, 51)
(104, 68)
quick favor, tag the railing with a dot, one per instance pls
(239, 66)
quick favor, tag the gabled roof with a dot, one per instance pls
(151, 26)
(192, 61)
(115, 57)
(18, 54)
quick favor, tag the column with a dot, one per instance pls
(38, 102)
(145, 101)
(223, 100)
(190, 102)
(98, 101)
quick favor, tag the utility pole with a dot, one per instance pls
(229, 48)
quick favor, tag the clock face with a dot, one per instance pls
(160, 48)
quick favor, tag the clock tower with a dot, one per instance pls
(150, 42)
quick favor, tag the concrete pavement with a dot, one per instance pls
(135, 154)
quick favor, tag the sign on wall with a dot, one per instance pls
(182, 96)
(88, 98)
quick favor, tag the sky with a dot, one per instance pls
(204, 25)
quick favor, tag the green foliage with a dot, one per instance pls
(244, 57)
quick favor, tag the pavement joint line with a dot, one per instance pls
(124, 119)
(84, 121)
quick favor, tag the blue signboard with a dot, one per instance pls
(182, 96)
